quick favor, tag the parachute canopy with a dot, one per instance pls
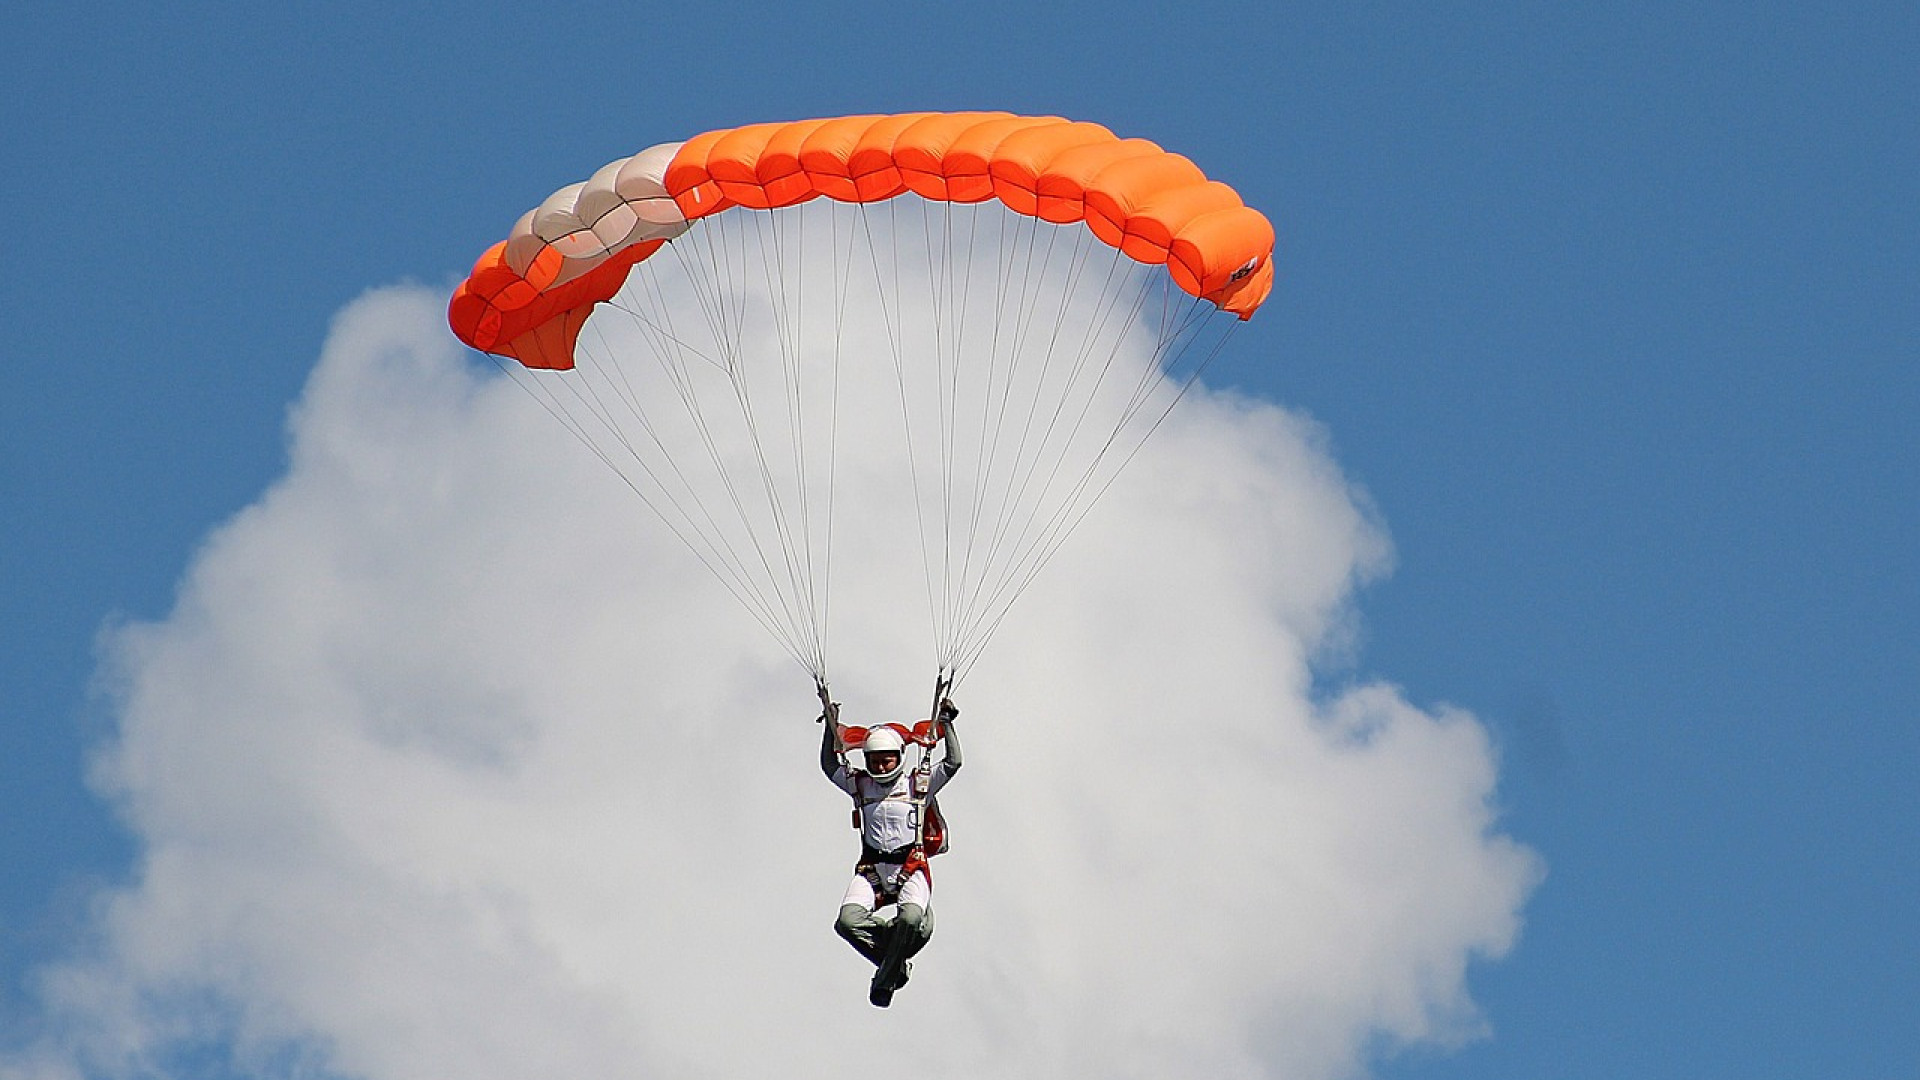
(529, 294)
(715, 319)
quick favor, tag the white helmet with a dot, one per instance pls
(884, 740)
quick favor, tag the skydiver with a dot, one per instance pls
(891, 804)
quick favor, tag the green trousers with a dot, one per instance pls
(875, 936)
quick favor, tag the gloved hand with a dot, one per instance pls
(949, 712)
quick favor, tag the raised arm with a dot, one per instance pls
(830, 737)
(949, 712)
(830, 748)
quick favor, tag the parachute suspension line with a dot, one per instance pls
(945, 313)
(1026, 545)
(796, 596)
(781, 622)
(995, 393)
(887, 288)
(946, 366)
(1196, 317)
(766, 229)
(1033, 553)
(1022, 329)
(960, 510)
(937, 271)
(686, 389)
(1024, 334)
(1077, 369)
(1171, 325)
(959, 347)
(1183, 317)
(950, 399)
(727, 271)
(701, 258)
(937, 266)
(817, 585)
(1019, 235)
(658, 322)
(1012, 233)
(991, 418)
(789, 333)
(526, 380)
(953, 294)
(949, 287)
(990, 536)
(674, 368)
(842, 289)
(1017, 512)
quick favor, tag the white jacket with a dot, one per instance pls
(886, 810)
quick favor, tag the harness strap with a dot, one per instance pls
(870, 854)
(915, 862)
(881, 893)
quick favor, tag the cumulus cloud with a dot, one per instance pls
(450, 761)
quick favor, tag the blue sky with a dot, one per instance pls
(1611, 310)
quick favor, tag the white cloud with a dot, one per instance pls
(450, 762)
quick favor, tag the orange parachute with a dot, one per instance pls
(714, 319)
(528, 295)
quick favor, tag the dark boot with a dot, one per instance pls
(904, 938)
(880, 993)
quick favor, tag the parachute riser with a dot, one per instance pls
(923, 770)
(942, 684)
(829, 708)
